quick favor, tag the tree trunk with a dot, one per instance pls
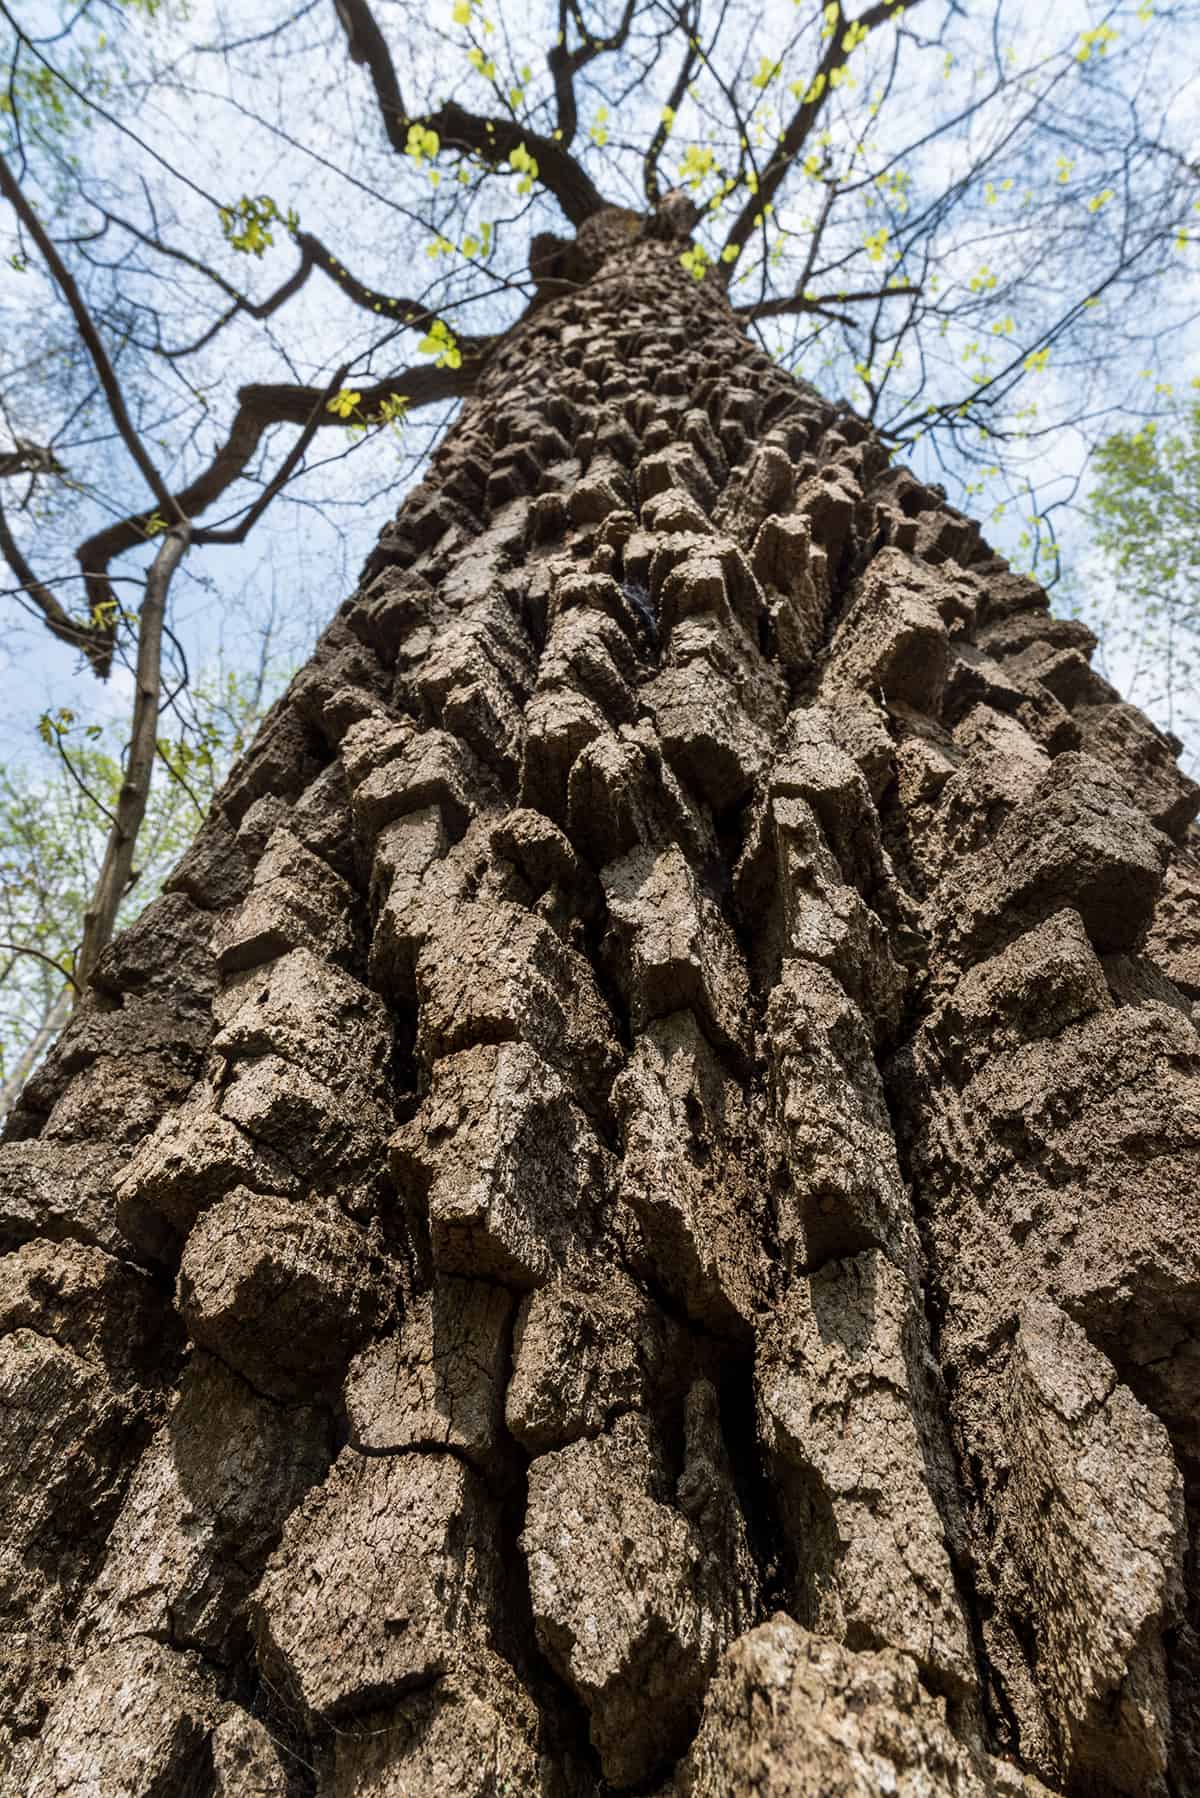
(630, 1218)
(112, 882)
(57, 1010)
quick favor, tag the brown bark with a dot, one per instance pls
(630, 1220)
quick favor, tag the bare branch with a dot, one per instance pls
(313, 255)
(39, 955)
(96, 641)
(410, 312)
(88, 333)
(284, 472)
(29, 458)
(804, 302)
(239, 302)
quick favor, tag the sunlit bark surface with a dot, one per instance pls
(630, 1219)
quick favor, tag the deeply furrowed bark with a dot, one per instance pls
(630, 1218)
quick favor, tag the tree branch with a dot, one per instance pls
(29, 458)
(258, 309)
(409, 312)
(89, 336)
(284, 472)
(96, 641)
(662, 131)
(494, 139)
(491, 139)
(797, 302)
(565, 64)
(52, 1022)
(313, 255)
(40, 955)
(789, 145)
(259, 406)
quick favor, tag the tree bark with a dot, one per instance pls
(629, 1221)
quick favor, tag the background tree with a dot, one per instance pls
(55, 816)
(1145, 507)
(627, 1219)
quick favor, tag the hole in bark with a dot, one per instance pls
(197, 1779)
(404, 1070)
(806, 1578)
(755, 1487)
(645, 618)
